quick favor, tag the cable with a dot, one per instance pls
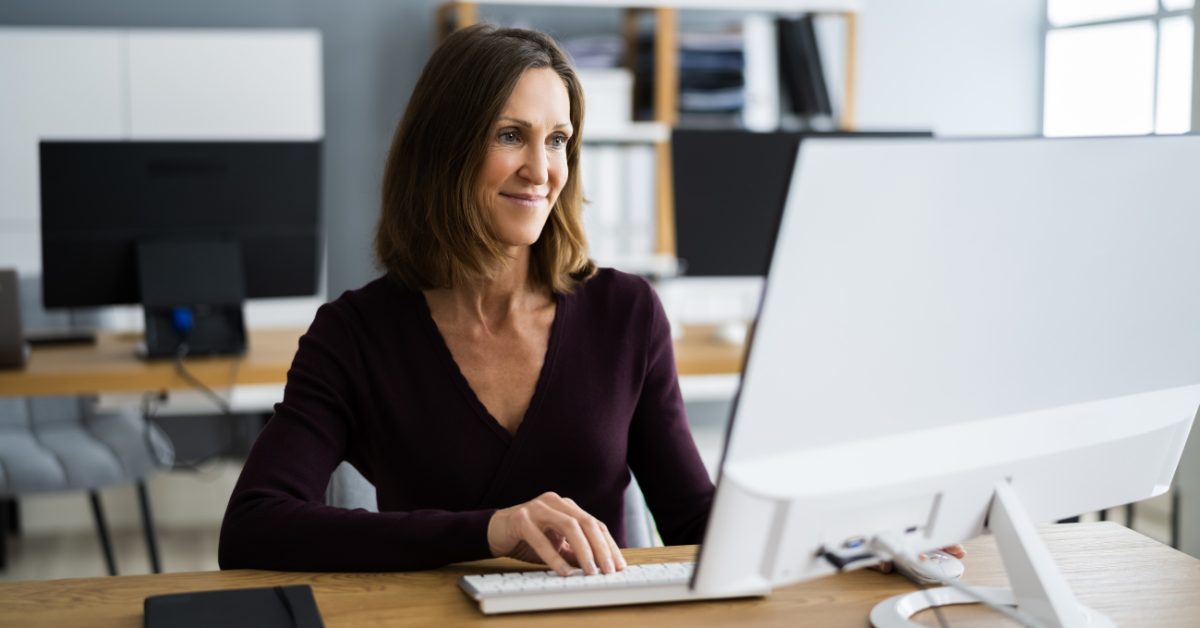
(937, 610)
(221, 404)
(1011, 613)
(892, 546)
(199, 385)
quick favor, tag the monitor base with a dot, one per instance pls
(1039, 590)
(895, 611)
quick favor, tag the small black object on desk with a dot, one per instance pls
(274, 607)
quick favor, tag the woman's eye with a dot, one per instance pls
(558, 141)
(509, 137)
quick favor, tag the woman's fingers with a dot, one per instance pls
(618, 558)
(547, 551)
(604, 549)
(570, 528)
(956, 551)
(559, 532)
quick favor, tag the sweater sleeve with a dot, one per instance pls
(276, 519)
(662, 454)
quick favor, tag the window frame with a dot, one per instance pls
(1155, 18)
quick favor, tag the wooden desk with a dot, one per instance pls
(110, 365)
(1134, 580)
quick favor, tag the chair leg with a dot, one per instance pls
(148, 527)
(5, 504)
(102, 529)
(13, 523)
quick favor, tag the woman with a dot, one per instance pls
(495, 386)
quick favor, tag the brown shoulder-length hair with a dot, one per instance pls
(432, 232)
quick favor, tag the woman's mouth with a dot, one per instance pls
(525, 200)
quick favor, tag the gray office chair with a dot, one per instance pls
(349, 489)
(52, 444)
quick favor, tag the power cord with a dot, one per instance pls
(937, 610)
(221, 404)
(238, 425)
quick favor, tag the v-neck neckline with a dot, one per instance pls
(464, 386)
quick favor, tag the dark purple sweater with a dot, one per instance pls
(374, 383)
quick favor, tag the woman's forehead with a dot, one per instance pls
(539, 99)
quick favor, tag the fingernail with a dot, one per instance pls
(608, 566)
(591, 568)
(564, 570)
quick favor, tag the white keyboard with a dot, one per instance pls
(546, 590)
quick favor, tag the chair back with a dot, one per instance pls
(349, 489)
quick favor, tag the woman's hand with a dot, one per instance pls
(956, 551)
(555, 531)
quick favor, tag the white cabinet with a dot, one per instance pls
(53, 84)
(225, 84)
(83, 84)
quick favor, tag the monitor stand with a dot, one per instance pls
(192, 291)
(1038, 587)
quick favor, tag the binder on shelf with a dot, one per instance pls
(619, 183)
(800, 67)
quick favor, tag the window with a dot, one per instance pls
(1118, 67)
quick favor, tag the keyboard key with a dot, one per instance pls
(487, 586)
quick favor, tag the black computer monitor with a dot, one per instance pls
(730, 187)
(192, 223)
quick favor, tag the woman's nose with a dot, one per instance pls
(536, 168)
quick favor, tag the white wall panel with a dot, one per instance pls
(957, 68)
(54, 84)
(226, 84)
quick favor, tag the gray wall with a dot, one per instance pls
(374, 51)
(959, 69)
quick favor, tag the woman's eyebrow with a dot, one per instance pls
(518, 121)
(530, 126)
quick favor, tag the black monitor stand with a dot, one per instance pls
(192, 291)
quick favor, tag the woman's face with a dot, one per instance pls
(526, 165)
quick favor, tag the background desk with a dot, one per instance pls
(110, 365)
(1133, 579)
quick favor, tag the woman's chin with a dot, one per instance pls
(519, 238)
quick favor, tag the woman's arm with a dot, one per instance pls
(276, 519)
(662, 454)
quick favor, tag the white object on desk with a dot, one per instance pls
(958, 338)
(731, 332)
(546, 590)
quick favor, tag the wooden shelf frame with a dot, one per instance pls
(454, 15)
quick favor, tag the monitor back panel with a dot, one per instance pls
(100, 199)
(919, 284)
(730, 188)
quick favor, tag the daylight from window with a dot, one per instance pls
(1118, 67)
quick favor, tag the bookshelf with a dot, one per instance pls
(454, 15)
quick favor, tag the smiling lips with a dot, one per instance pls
(525, 200)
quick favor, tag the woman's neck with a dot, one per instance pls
(491, 302)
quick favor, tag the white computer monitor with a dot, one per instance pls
(963, 337)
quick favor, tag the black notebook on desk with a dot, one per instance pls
(276, 607)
